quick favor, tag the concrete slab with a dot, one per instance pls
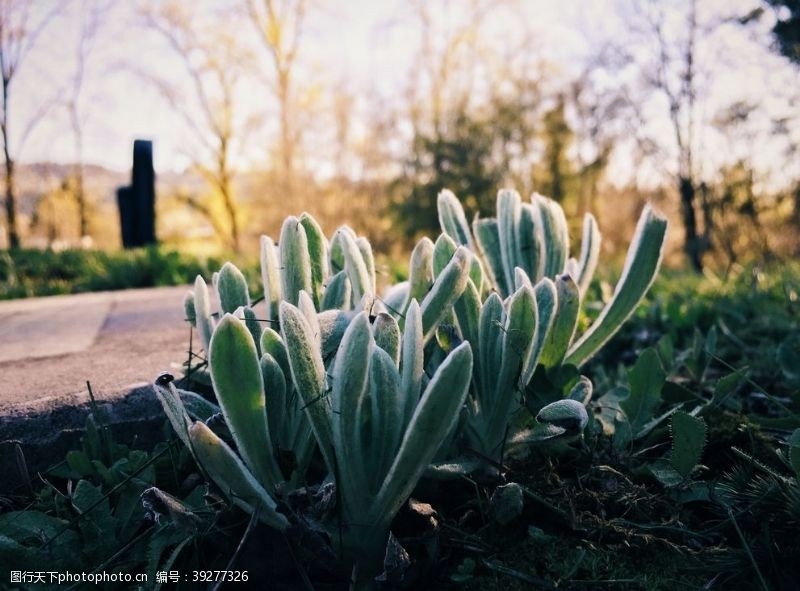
(114, 340)
(30, 332)
(118, 341)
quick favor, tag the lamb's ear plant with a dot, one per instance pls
(532, 311)
(376, 425)
(381, 386)
(531, 239)
(215, 457)
(258, 401)
(337, 275)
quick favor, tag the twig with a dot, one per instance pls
(300, 569)
(747, 549)
(250, 527)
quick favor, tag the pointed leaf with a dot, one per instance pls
(349, 388)
(641, 267)
(568, 303)
(556, 236)
(232, 477)
(202, 307)
(435, 415)
(270, 277)
(236, 375)
(412, 362)
(387, 335)
(295, 261)
(590, 252)
(487, 237)
(452, 219)
(232, 289)
(508, 215)
(308, 375)
(318, 255)
(447, 288)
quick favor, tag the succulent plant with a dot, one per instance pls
(377, 425)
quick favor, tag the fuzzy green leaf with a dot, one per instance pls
(232, 477)
(590, 252)
(443, 250)
(688, 441)
(452, 219)
(436, 413)
(236, 375)
(641, 267)
(275, 396)
(508, 215)
(568, 303)
(318, 255)
(270, 277)
(349, 388)
(387, 335)
(447, 288)
(556, 236)
(308, 375)
(338, 293)
(202, 308)
(354, 265)
(546, 303)
(296, 274)
(420, 271)
(412, 362)
(531, 242)
(232, 289)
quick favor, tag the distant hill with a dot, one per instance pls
(38, 178)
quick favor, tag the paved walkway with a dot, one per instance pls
(50, 347)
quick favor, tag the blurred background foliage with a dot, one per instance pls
(266, 112)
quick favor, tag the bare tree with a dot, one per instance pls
(595, 115)
(19, 32)
(280, 28)
(213, 62)
(672, 74)
(92, 13)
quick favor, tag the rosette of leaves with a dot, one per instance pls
(530, 316)
(530, 240)
(337, 275)
(262, 414)
(377, 419)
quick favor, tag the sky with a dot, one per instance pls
(368, 43)
(367, 46)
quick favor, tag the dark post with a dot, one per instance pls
(126, 216)
(137, 201)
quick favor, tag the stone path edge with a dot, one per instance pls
(46, 435)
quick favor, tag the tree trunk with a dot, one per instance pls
(80, 194)
(11, 201)
(691, 243)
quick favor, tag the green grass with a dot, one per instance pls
(28, 273)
